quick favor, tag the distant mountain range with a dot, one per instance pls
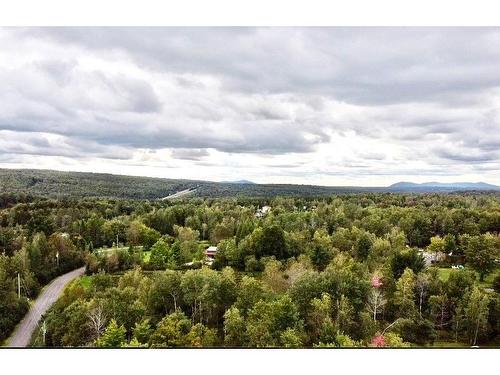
(442, 186)
(79, 185)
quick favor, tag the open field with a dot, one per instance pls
(444, 274)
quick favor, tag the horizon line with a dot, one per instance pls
(236, 179)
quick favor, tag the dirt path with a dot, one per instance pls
(23, 332)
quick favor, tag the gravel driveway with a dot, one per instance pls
(22, 335)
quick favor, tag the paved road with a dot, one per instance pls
(22, 335)
(180, 194)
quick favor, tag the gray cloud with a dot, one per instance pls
(189, 154)
(18, 143)
(427, 96)
(468, 157)
(363, 65)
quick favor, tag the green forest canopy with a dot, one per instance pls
(342, 270)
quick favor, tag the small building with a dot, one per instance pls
(210, 252)
(431, 257)
(263, 211)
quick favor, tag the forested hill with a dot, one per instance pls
(77, 184)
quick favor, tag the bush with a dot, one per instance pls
(253, 265)
(408, 258)
(420, 331)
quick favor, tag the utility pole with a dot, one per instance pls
(57, 259)
(117, 241)
(19, 285)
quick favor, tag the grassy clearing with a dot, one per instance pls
(102, 250)
(111, 250)
(146, 254)
(444, 274)
(488, 280)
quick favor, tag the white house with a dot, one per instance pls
(263, 211)
(210, 252)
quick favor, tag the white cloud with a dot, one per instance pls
(320, 106)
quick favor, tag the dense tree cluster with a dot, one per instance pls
(291, 305)
(343, 270)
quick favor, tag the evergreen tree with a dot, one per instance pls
(113, 336)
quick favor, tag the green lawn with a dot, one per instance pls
(111, 249)
(146, 255)
(488, 280)
(444, 274)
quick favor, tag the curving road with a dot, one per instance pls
(22, 335)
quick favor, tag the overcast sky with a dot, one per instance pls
(328, 106)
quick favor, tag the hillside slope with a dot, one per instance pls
(78, 184)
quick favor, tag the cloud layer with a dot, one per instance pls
(366, 106)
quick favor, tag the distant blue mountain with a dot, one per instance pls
(247, 182)
(442, 186)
